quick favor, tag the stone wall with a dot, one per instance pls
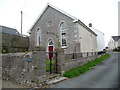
(30, 68)
(78, 55)
(25, 68)
(13, 43)
(49, 24)
(67, 62)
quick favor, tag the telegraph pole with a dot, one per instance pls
(21, 21)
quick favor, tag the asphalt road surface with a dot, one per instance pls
(104, 75)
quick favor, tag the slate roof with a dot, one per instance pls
(7, 30)
(116, 38)
(89, 29)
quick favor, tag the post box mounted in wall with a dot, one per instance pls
(29, 59)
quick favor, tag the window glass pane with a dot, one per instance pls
(38, 35)
(63, 29)
(38, 29)
(63, 26)
(63, 33)
(39, 40)
(50, 42)
(64, 42)
(75, 35)
(63, 36)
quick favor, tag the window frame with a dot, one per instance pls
(49, 41)
(63, 34)
(38, 36)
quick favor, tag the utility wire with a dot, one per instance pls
(24, 5)
(28, 16)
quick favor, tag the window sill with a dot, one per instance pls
(64, 47)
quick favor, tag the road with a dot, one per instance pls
(0, 77)
(104, 75)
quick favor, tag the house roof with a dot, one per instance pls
(72, 17)
(65, 13)
(96, 30)
(7, 30)
(81, 23)
(116, 38)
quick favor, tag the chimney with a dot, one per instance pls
(90, 24)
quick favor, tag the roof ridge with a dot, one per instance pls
(92, 28)
(63, 12)
(116, 38)
(45, 8)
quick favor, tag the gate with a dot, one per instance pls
(51, 63)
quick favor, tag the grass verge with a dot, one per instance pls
(84, 68)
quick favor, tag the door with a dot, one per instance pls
(51, 54)
(50, 50)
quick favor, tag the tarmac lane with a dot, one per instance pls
(104, 75)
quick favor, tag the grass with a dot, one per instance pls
(48, 65)
(84, 68)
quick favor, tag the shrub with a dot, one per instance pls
(4, 50)
(117, 49)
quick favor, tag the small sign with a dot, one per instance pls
(29, 59)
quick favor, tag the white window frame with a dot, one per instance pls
(50, 40)
(63, 36)
(38, 36)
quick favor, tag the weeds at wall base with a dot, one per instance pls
(84, 68)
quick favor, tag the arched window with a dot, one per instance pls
(38, 35)
(50, 43)
(63, 30)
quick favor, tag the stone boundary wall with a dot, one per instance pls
(30, 68)
(24, 68)
(78, 55)
(14, 43)
(65, 62)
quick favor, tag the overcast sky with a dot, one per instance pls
(103, 14)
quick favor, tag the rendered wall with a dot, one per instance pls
(88, 41)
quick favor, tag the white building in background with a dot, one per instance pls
(114, 42)
(100, 38)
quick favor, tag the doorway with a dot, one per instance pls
(50, 49)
